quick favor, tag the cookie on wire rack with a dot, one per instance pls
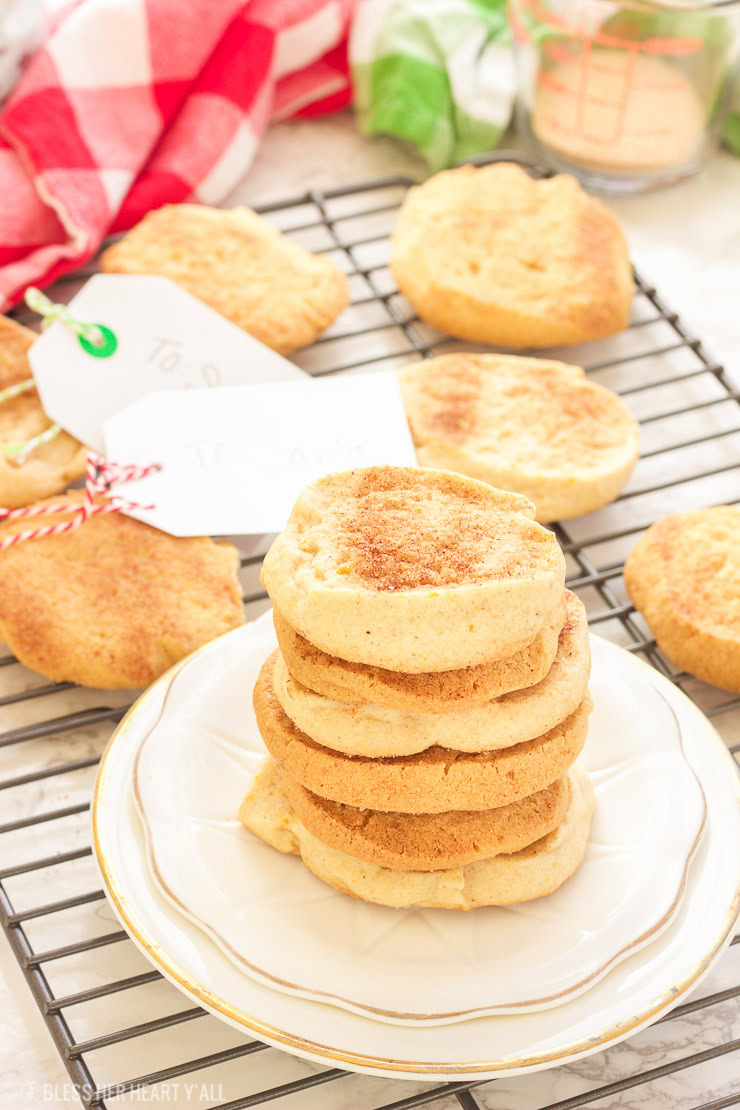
(38, 471)
(493, 256)
(684, 576)
(535, 426)
(113, 603)
(240, 265)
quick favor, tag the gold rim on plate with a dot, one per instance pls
(365, 1009)
(328, 1053)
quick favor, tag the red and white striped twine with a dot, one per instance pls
(101, 476)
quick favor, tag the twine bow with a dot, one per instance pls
(51, 312)
(102, 475)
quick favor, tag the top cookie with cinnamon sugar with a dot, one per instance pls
(414, 570)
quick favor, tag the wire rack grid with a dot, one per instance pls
(120, 1028)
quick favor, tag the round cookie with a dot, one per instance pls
(115, 602)
(52, 466)
(499, 880)
(429, 841)
(491, 255)
(684, 576)
(240, 265)
(413, 570)
(376, 731)
(432, 781)
(434, 692)
(537, 427)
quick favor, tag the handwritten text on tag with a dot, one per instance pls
(166, 339)
(234, 460)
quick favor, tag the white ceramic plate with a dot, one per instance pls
(292, 932)
(641, 988)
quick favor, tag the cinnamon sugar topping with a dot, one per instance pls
(402, 535)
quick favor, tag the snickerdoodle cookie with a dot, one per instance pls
(414, 570)
(50, 467)
(241, 266)
(115, 602)
(429, 841)
(498, 880)
(431, 781)
(493, 256)
(684, 576)
(367, 729)
(525, 424)
(434, 692)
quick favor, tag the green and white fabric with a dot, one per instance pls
(732, 127)
(438, 73)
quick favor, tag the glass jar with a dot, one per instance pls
(628, 95)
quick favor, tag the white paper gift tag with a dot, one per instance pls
(166, 339)
(234, 460)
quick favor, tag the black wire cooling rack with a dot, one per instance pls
(120, 1028)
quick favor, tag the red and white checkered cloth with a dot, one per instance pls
(132, 104)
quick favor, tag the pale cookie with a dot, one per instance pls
(684, 576)
(240, 265)
(52, 466)
(493, 256)
(500, 880)
(429, 841)
(376, 731)
(414, 570)
(115, 602)
(536, 427)
(434, 692)
(430, 782)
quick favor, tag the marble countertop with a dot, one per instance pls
(686, 240)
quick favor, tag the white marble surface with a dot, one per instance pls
(686, 240)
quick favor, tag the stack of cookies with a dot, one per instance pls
(429, 696)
